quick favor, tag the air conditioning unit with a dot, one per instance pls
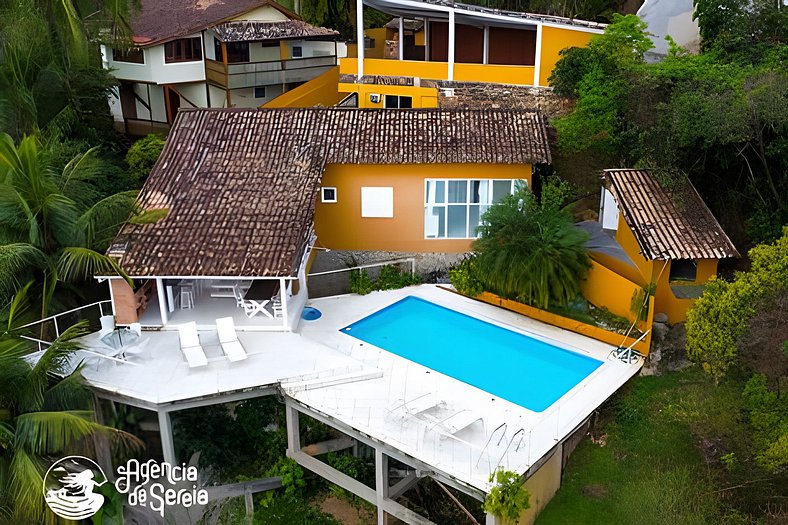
(374, 98)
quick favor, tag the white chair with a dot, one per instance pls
(187, 298)
(228, 338)
(190, 345)
(107, 325)
(136, 328)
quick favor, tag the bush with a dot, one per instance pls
(142, 155)
(390, 278)
(530, 250)
(508, 498)
(465, 278)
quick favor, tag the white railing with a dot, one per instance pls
(59, 328)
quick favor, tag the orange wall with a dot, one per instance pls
(340, 226)
(554, 39)
(322, 90)
(604, 287)
(422, 97)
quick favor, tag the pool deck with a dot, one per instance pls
(459, 430)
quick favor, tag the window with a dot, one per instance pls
(237, 52)
(394, 101)
(134, 56)
(377, 202)
(369, 43)
(683, 270)
(259, 92)
(453, 207)
(298, 52)
(183, 50)
(328, 194)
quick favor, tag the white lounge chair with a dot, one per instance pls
(107, 325)
(228, 338)
(190, 345)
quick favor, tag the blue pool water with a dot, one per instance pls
(515, 367)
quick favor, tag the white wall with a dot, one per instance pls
(260, 53)
(218, 97)
(309, 48)
(263, 14)
(155, 70)
(244, 98)
(114, 104)
(670, 17)
(193, 95)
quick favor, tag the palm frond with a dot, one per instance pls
(56, 359)
(59, 214)
(20, 307)
(77, 263)
(26, 475)
(16, 260)
(43, 433)
(99, 224)
(69, 393)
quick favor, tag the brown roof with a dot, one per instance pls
(251, 30)
(157, 21)
(240, 186)
(667, 223)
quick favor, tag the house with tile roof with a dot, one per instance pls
(245, 195)
(223, 54)
(664, 237)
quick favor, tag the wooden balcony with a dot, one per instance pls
(250, 74)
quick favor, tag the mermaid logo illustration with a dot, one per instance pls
(68, 487)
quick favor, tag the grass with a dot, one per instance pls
(660, 462)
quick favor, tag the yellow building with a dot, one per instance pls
(453, 42)
(671, 241)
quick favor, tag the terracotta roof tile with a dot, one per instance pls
(667, 223)
(240, 185)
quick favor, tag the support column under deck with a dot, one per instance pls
(167, 441)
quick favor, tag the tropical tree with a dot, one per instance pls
(46, 413)
(53, 227)
(530, 249)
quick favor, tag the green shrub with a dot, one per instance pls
(293, 482)
(390, 278)
(508, 498)
(142, 155)
(465, 279)
(531, 250)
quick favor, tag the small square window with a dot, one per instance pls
(259, 92)
(328, 194)
(298, 52)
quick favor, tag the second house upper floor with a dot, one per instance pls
(238, 44)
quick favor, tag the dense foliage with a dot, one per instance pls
(508, 498)
(720, 317)
(46, 412)
(530, 250)
(142, 155)
(720, 118)
(390, 278)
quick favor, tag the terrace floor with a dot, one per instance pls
(366, 389)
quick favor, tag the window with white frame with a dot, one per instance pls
(453, 207)
(328, 194)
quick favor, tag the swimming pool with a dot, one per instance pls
(507, 364)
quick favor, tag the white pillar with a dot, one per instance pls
(451, 45)
(167, 442)
(283, 298)
(360, 37)
(400, 44)
(538, 54)
(381, 482)
(162, 301)
(426, 39)
(486, 53)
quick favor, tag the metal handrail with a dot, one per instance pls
(54, 317)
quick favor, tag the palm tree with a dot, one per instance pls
(52, 227)
(46, 412)
(530, 250)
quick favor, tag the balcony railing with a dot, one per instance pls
(250, 74)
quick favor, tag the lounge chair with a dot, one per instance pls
(190, 345)
(107, 325)
(228, 338)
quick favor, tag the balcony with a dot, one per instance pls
(251, 74)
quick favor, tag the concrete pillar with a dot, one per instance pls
(101, 442)
(401, 36)
(162, 301)
(426, 39)
(293, 435)
(360, 37)
(451, 45)
(167, 442)
(381, 483)
(538, 54)
(486, 53)
(283, 297)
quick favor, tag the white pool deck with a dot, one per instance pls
(459, 430)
